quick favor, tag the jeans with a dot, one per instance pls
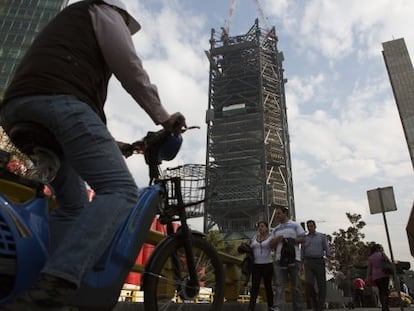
(260, 271)
(384, 292)
(282, 276)
(80, 230)
(315, 271)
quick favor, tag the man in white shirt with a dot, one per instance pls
(290, 232)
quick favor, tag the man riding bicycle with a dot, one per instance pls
(61, 84)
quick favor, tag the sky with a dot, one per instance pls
(345, 131)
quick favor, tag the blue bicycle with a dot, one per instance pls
(181, 266)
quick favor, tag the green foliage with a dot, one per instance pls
(228, 247)
(349, 251)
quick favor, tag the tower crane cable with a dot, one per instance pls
(262, 16)
(229, 19)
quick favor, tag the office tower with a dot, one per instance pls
(248, 166)
(20, 22)
(401, 74)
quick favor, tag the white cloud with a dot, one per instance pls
(336, 29)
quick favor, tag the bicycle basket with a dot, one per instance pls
(192, 178)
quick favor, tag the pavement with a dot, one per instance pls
(232, 306)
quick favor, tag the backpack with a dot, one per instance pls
(288, 253)
(244, 248)
(246, 265)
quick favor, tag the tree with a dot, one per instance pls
(229, 247)
(349, 251)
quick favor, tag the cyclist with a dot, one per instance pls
(61, 83)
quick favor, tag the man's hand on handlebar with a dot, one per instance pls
(126, 149)
(175, 123)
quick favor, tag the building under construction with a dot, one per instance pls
(248, 165)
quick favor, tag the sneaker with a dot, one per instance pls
(47, 294)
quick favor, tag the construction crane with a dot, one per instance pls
(229, 19)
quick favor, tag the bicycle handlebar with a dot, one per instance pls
(156, 147)
(151, 140)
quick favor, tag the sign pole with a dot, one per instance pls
(394, 270)
(385, 223)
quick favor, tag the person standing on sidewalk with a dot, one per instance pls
(287, 232)
(358, 287)
(375, 274)
(262, 265)
(314, 251)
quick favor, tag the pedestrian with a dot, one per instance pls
(358, 287)
(61, 83)
(287, 234)
(315, 250)
(262, 265)
(375, 294)
(376, 274)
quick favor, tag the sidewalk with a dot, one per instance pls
(232, 306)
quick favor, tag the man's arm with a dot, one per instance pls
(300, 234)
(116, 44)
(325, 246)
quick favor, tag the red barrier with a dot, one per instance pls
(145, 253)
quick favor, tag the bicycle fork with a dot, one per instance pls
(191, 286)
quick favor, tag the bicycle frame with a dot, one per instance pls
(184, 231)
(24, 234)
(27, 226)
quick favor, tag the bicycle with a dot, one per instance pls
(180, 266)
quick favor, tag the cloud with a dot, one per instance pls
(336, 29)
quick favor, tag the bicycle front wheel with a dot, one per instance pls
(167, 284)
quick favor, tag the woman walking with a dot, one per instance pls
(262, 265)
(375, 273)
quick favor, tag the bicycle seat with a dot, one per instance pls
(27, 136)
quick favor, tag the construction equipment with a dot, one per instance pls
(227, 24)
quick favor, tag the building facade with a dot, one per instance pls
(401, 73)
(248, 166)
(20, 22)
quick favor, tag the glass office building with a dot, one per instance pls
(20, 22)
(401, 74)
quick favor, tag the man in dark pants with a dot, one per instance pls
(61, 84)
(314, 250)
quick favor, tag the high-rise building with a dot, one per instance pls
(401, 74)
(20, 22)
(248, 165)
